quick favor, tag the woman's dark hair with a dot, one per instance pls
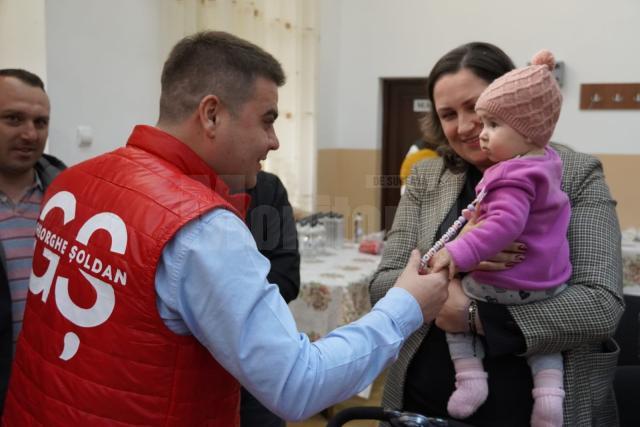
(487, 62)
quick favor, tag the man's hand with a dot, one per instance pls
(429, 290)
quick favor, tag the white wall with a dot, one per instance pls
(102, 60)
(363, 41)
(103, 63)
(22, 36)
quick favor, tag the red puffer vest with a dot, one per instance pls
(93, 349)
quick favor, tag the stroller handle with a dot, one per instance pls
(361, 413)
(393, 417)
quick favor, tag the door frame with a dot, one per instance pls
(394, 148)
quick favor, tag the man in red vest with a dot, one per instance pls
(148, 300)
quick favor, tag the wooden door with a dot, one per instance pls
(403, 103)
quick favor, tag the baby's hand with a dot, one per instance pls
(441, 260)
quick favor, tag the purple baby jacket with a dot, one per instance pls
(524, 203)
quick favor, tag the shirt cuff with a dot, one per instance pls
(403, 309)
(501, 332)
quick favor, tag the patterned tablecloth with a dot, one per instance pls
(334, 287)
(334, 290)
(631, 267)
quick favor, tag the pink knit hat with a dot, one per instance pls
(528, 99)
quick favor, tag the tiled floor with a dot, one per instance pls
(374, 400)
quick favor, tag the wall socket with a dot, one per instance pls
(610, 96)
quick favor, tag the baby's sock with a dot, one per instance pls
(471, 387)
(548, 397)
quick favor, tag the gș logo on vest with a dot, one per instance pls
(98, 274)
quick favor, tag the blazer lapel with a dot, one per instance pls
(438, 201)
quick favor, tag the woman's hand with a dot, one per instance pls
(454, 315)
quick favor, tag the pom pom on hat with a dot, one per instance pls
(528, 99)
(544, 57)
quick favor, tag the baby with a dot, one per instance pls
(521, 201)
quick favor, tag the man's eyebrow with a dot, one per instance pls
(22, 115)
(11, 111)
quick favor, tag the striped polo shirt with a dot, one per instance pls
(17, 234)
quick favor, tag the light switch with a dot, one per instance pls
(84, 135)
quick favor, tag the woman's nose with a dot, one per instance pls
(466, 123)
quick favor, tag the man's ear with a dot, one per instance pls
(208, 114)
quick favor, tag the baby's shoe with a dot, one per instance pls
(547, 407)
(471, 392)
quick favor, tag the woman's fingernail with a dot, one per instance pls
(520, 257)
(510, 264)
(522, 247)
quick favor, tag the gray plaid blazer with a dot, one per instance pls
(579, 322)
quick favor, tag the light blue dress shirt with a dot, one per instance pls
(211, 282)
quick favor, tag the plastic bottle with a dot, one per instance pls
(326, 220)
(302, 227)
(357, 228)
(339, 219)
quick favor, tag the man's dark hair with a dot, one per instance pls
(487, 62)
(213, 63)
(24, 76)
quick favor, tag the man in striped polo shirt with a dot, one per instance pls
(25, 173)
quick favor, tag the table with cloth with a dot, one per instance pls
(334, 289)
(631, 267)
(627, 378)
